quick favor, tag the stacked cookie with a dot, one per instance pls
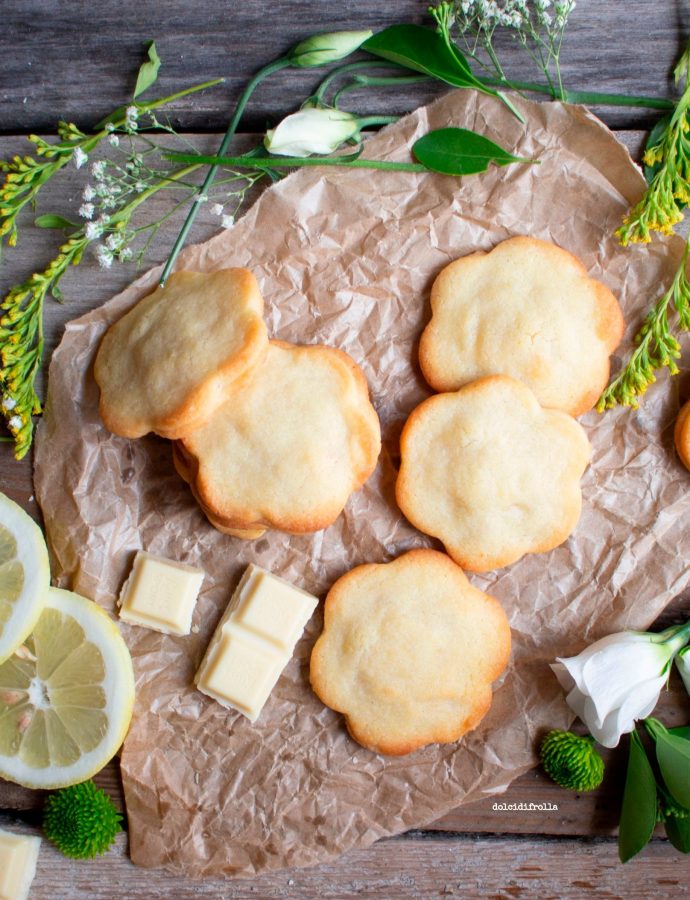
(519, 343)
(267, 434)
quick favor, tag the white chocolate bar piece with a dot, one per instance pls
(254, 641)
(160, 594)
(18, 858)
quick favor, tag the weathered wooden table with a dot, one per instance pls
(76, 60)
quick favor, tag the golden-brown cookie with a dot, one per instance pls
(289, 445)
(165, 366)
(409, 651)
(490, 473)
(527, 309)
(682, 435)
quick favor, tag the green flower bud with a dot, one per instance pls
(322, 49)
(81, 820)
(572, 761)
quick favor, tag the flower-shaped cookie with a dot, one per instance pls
(290, 444)
(166, 364)
(409, 651)
(527, 309)
(491, 473)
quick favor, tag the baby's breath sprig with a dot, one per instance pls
(657, 346)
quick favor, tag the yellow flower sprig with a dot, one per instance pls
(21, 343)
(26, 175)
(657, 347)
(659, 210)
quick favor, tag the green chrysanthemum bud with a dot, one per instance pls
(81, 820)
(572, 761)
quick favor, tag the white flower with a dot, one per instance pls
(114, 241)
(227, 221)
(110, 126)
(311, 131)
(93, 230)
(79, 157)
(86, 210)
(98, 169)
(683, 665)
(125, 254)
(15, 423)
(8, 403)
(618, 680)
(131, 116)
(321, 49)
(114, 140)
(104, 257)
(217, 209)
(88, 192)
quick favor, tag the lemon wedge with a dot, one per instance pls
(66, 696)
(24, 575)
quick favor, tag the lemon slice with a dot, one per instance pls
(24, 575)
(66, 696)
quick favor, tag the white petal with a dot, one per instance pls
(611, 674)
(575, 664)
(638, 705)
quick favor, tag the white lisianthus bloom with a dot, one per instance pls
(683, 665)
(322, 49)
(310, 131)
(618, 679)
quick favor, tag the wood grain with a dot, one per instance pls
(411, 866)
(77, 59)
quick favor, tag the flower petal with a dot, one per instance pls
(611, 674)
(575, 664)
(637, 705)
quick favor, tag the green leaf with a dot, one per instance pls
(52, 221)
(682, 731)
(678, 832)
(638, 814)
(422, 50)
(148, 72)
(457, 151)
(673, 756)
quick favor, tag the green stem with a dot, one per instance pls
(274, 66)
(296, 162)
(677, 636)
(365, 121)
(593, 98)
(320, 92)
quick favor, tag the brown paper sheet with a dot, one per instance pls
(347, 258)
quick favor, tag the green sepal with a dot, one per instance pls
(638, 813)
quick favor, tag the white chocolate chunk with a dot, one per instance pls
(254, 641)
(18, 858)
(160, 594)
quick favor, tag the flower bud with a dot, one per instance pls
(321, 49)
(310, 131)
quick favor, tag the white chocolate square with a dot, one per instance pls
(254, 641)
(274, 609)
(18, 858)
(242, 674)
(160, 594)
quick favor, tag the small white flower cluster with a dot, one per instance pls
(131, 118)
(518, 15)
(79, 157)
(226, 220)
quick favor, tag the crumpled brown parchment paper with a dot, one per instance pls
(347, 258)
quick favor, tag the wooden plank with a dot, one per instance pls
(77, 60)
(406, 867)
